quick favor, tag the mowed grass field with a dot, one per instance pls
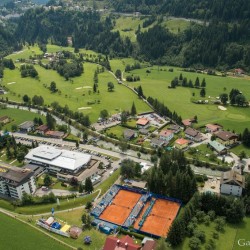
(18, 116)
(76, 94)
(16, 235)
(155, 84)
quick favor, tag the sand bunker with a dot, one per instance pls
(85, 87)
(9, 83)
(83, 108)
(222, 108)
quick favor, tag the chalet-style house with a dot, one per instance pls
(125, 243)
(218, 147)
(232, 183)
(55, 134)
(26, 127)
(175, 128)
(211, 128)
(42, 129)
(181, 143)
(157, 143)
(142, 123)
(129, 134)
(193, 135)
(226, 138)
(166, 135)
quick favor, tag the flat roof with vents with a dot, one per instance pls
(61, 158)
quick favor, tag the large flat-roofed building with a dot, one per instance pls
(14, 182)
(58, 160)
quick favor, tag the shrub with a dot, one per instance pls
(194, 243)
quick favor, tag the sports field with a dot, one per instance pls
(16, 235)
(146, 212)
(160, 218)
(121, 207)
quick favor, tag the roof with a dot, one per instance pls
(16, 176)
(55, 133)
(128, 133)
(166, 133)
(149, 245)
(157, 142)
(187, 122)
(125, 243)
(174, 127)
(139, 184)
(42, 127)
(143, 131)
(213, 127)
(66, 159)
(192, 132)
(181, 141)
(226, 135)
(142, 121)
(217, 146)
(26, 125)
(232, 176)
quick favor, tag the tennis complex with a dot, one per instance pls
(147, 213)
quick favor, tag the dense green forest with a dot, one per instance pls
(86, 28)
(223, 42)
(226, 10)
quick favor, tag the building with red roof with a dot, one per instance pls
(142, 123)
(125, 243)
(211, 128)
(166, 135)
(181, 143)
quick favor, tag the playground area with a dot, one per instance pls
(121, 206)
(147, 213)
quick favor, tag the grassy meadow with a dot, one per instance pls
(128, 25)
(16, 235)
(18, 116)
(155, 84)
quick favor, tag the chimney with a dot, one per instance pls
(118, 242)
(126, 245)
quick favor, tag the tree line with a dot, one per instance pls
(173, 177)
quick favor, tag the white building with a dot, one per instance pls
(14, 182)
(58, 160)
(232, 183)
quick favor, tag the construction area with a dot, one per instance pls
(146, 212)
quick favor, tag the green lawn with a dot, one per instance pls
(225, 241)
(18, 116)
(76, 94)
(116, 130)
(155, 84)
(16, 235)
(237, 150)
(243, 232)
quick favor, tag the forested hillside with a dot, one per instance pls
(223, 42)
(226, 10)
(86, 28)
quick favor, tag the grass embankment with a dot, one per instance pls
(16, 235)
(64, 204)
(155, 84)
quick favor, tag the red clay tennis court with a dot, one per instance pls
(161, 217)
(121, 207)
